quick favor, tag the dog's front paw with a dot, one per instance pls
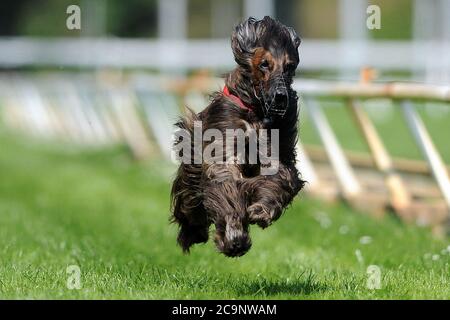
(263, 214)
(259, 214)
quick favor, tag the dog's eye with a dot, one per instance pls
(264, 65)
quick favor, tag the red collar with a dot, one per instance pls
(236, 99)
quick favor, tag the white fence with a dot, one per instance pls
(416, 57)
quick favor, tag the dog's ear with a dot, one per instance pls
(244, 40)
(294, 37)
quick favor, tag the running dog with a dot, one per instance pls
(257, 95)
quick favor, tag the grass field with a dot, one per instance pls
(109, 216)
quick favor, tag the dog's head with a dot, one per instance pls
(267, 52)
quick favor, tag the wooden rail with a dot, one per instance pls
(400, 198)
(396, 91)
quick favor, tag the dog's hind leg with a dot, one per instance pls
(187, 207)
(190, 234)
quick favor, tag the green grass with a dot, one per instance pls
(99, 210)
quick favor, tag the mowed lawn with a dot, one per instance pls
(101, 211)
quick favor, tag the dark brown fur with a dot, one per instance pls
(231, 196)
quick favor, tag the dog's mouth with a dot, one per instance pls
(275, 102)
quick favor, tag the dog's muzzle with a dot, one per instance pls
(275, 103)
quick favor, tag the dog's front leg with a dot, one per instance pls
(227, 208)
(269, 195)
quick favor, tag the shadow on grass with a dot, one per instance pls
(304, 284)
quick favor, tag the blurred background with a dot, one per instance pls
(86, 126)
(411, 43)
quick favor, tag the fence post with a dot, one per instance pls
(346, 177)
(131, 125)
(399, 196)
(428, 149)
